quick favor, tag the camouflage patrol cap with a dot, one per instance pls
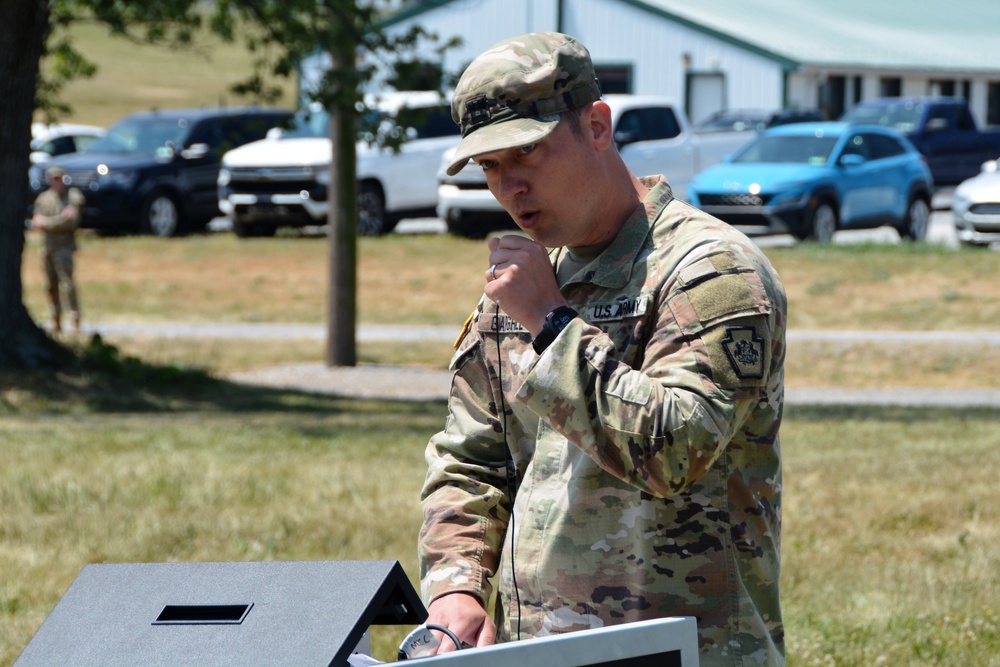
(55, 171)
(513, 93)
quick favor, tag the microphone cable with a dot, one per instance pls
(511, 473)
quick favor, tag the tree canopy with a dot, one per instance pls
(38, 57)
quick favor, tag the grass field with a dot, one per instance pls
(891, 519)
(134, 77)
(891, 522)
(437, 279)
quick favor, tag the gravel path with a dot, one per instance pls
(378, 332)
(414, 384)
(417, 384)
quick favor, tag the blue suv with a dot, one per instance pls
(811, 179)
(155, 172)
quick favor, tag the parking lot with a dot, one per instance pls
(941, 231)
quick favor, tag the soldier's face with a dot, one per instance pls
(551, 189)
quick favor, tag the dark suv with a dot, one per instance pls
(155, 172)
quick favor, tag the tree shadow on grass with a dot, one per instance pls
(101, 380)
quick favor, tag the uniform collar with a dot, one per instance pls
(613, 268)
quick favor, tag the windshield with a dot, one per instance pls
(316, 123)
(801, 149)
(732, 123)
(903, 116)
(142, 136)
(308, 124)
(374, 126)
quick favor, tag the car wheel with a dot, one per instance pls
(467, 226)
(161, 215)
(823, 223)
(918, 215)
(371, 210)
(244, 230)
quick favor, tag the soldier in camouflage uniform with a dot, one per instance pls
(611, 451)
(57, 213)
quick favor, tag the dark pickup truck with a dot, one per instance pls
(942, 128)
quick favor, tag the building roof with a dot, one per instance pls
(883, 34)
(879, 34)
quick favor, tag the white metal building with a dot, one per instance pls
(751, 54)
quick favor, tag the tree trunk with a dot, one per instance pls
(23, 32)
(341, 345)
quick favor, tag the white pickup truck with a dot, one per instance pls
(282, 181)
(653, 137)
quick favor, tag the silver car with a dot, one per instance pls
(976, 207)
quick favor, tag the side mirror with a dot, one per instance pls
(195, 151)
(937, 125)
(275, 133)
(851, 160)
(989, 167)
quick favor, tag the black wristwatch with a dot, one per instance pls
(555, 322)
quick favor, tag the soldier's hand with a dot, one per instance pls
(464, 615)
(521, 280)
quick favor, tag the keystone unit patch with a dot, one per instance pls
(745, 351)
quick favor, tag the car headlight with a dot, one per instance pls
(225, 176)
(959, 200)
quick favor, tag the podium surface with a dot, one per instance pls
(264, 613)
(665, 642)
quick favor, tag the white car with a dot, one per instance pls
(48, 141)
(282, 181)
(975, 206)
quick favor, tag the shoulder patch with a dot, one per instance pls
(745, 350)
(739, 352)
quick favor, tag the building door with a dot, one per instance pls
(832, 97)
(706, 94)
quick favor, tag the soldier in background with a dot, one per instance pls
(611, 450)
(56, 215)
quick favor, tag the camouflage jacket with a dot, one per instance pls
(59, 230)
(645, 441)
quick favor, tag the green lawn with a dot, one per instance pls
(891, 527)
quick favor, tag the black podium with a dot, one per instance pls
(299, 613)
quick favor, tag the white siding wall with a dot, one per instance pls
(616, 34)
(481, 23)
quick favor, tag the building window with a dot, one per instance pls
(614, 79)
(993, 103)
(949, 88)
(890, 87)
(832, 97)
